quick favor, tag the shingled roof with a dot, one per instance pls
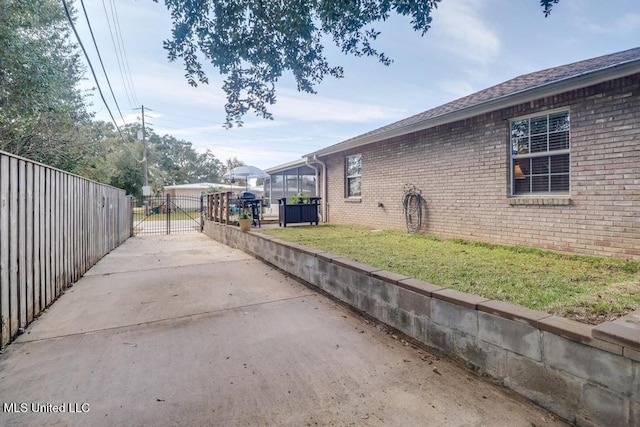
(512, 92)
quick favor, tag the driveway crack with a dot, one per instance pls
(165, 319)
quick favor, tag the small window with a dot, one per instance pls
(353, 168)
(540, 154)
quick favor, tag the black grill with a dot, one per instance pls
(248, 200)
(247, 195)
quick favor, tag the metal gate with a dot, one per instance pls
(168, 215)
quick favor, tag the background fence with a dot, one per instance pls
(54, 226)
(168, 215)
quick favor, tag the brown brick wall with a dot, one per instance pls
(463, 171)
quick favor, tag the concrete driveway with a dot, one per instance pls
(181, 330)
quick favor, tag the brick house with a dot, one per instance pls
(549, 159)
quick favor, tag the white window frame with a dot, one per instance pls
(348, 177)
(513, 155)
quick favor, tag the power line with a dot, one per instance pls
(126, 90)
(125, 59)
(100, 58)
(75, 31)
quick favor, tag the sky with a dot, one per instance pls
(472, 45)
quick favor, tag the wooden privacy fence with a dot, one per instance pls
(54, 226)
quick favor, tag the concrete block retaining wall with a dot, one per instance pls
(555, 362)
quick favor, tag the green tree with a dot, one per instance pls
(208, 168)
(98, 163)
(42, 112)
(173, 156)
(128, 176)
(181, 163)
(253, 42)
(117, 162)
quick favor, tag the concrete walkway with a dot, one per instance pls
(180, 330)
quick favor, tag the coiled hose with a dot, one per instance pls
(412, 208)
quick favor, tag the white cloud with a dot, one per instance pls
(260, 155)
(313, 108)
(184, 131)
(458, 88)
(165, 83)
(624, 25)
(628, 23)
(263, 124)
(463, 31)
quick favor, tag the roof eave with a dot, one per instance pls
(554, 88)
(285, 166)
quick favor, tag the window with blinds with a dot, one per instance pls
(540, 154)
(353, 167)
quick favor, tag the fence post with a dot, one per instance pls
(130, 198)
(168, 213)
(226, 208)
(216, 201)
(201, 213)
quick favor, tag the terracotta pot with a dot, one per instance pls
(245, 224)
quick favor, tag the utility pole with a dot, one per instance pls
(146, 190)
(144, 152)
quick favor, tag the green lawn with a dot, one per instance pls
(587, 289)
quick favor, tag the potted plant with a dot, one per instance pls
(244, 220)
(298, 208)
(298, 198)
